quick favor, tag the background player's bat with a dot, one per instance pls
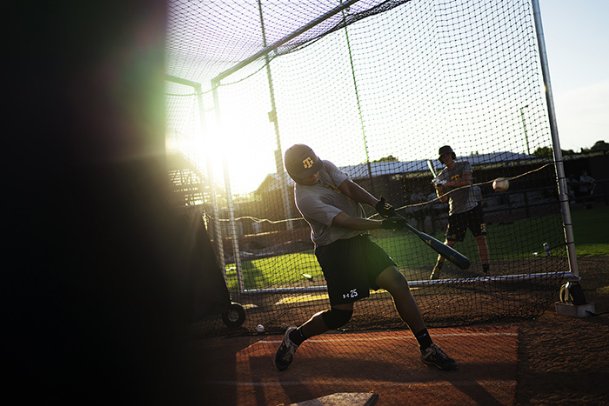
(432, 168)
(447, 252)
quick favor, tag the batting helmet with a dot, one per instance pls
(446, 149)
(301, 161)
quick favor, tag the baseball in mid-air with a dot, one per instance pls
(260, 328)
(501, 185)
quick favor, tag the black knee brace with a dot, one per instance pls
(335, 318)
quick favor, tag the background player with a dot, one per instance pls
(351, 263)
(454, 184)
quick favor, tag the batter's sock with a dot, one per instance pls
(297, 336)
(423, 338)
(485, 268)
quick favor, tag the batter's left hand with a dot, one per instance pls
(384, 209)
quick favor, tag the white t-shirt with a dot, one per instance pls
(321, 202)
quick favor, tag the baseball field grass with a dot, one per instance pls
(590, 229)
(591, 238)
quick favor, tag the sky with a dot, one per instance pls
(577, 46)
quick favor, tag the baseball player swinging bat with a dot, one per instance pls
(447, 252)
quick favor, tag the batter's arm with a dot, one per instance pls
(344, 220)
(464, 180)
(357, 193)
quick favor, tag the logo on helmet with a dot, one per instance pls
(308, 162)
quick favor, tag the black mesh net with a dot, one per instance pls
(377, 96)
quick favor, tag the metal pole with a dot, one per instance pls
(229, 197)
(212, 189)
(210, 172)
(558, 159)
(459, 282)
(359, 105)
(273, 117)
(524, 127)
(184, 82)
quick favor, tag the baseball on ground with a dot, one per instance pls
(501, 185)
(260, 328)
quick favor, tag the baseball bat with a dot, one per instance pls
(447, 252)
(432, 168)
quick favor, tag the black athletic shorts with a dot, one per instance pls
(459, 223)
(351, 267)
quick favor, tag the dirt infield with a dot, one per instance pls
(565, 360)
(552, 360)
(386, 363)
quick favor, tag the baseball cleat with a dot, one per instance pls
(434, 356)
(285, 352)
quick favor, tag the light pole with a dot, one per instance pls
(524, 127)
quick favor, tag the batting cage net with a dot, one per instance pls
(376, 87)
